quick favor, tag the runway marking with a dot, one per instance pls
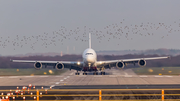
(61, 80)
(116, 73)
(65, 78)
(128, 76)
(1, 77)
(158, 76)
(71, 74)
(98, 76)
(58, 76)
(169, 76)
(52, 86)
(28, 76)
(143, 76)
(13, 76)
(125, 73)
(57, 83)
(83, 76)
(43, 76)
(112, 76)
(68, 76)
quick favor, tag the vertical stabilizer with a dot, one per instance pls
(89, 40)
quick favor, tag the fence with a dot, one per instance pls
(36, 94)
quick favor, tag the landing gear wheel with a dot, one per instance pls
(102, 73)
(84, 73)
(76, 73)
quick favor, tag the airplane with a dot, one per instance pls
(89, 62)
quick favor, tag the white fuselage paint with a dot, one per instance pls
(89, 58)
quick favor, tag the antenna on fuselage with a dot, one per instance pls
(89, 40)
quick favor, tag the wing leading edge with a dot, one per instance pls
(127, 61)
(67, 64)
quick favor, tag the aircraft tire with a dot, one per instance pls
(76, 73)
(102, 73)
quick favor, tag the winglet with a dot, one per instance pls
(89, 40)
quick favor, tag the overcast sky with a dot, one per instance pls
(33, 26)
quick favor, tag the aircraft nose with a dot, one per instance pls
(90, 59)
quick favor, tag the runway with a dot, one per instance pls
(113, 77)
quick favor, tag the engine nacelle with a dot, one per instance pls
(142, 63)
(59, 66)
(38, 65)
(120, 65)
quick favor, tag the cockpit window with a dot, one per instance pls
(89, 53)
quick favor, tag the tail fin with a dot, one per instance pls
(89, 40)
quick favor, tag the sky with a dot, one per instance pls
(41, 26)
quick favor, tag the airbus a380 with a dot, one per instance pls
(89, 62)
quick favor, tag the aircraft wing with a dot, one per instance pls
(112, 63)
(67, 64)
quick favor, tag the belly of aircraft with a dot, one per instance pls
(90, 69)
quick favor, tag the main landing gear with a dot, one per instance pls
(102, 73)
(77, 73)
(95, 73)
(84, 73)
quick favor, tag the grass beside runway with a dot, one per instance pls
(32, 71)
(157, 70)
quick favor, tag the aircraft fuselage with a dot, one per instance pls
(89, 60)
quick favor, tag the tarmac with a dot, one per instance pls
(113, 77)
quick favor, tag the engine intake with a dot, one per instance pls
(142, 63)
(120, 65)
(59, 66)
(38, 65)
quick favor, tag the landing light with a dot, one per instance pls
(78, 63)
(100, 62)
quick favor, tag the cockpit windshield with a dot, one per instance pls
(89, 53)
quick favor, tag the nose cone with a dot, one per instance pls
(90, 59)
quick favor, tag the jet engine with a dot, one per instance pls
(142, 63)
(38, 65)
(59, 66)
(120, 65)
